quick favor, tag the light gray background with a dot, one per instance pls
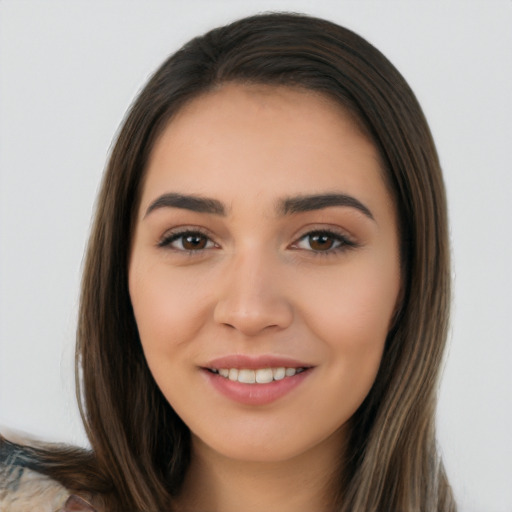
(70, 69)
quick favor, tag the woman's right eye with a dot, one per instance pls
(187, 241)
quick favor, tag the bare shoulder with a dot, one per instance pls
(23, 488)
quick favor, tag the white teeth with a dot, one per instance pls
(259, 376)
(279, 373)
(265, 375)
(246, 376)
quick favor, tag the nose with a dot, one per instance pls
(253, 297)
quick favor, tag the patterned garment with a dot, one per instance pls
(22, 489)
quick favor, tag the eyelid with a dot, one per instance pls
(173, 234)
(347, 240)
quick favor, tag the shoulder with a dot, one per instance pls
(23, 488)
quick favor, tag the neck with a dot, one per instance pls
(303, 483)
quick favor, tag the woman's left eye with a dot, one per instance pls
(322, 242)
(188, 241)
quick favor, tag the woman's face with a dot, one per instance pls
(265, 249)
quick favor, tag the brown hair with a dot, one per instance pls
(140, 447)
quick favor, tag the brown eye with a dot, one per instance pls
(323, 242)
(194, 242)
(188, 241)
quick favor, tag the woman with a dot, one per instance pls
(269, 250)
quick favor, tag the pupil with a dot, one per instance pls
(321, 242)
(194, 242)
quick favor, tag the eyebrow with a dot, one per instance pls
(187, 202)
(287, 206)
(320, 201)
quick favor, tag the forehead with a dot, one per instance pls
(243, 140)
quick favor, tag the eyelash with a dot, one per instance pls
(173, 236)
(343, 242)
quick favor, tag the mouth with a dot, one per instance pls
(256, 380)
(257, 375)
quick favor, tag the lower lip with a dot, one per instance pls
(255, 394)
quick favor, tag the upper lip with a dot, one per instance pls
(254, 362)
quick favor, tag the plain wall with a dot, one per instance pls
(69, 70)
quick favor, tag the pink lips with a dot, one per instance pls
(254, 362)
(254, 394)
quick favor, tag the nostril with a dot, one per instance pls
(250, 307)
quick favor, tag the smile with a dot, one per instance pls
(256, 376)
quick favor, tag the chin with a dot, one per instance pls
(257, 446)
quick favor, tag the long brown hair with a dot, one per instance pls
(140, 447)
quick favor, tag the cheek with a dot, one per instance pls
(351, 314)
(356, 306)
(166, 309)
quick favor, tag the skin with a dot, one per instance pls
(258, 284)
